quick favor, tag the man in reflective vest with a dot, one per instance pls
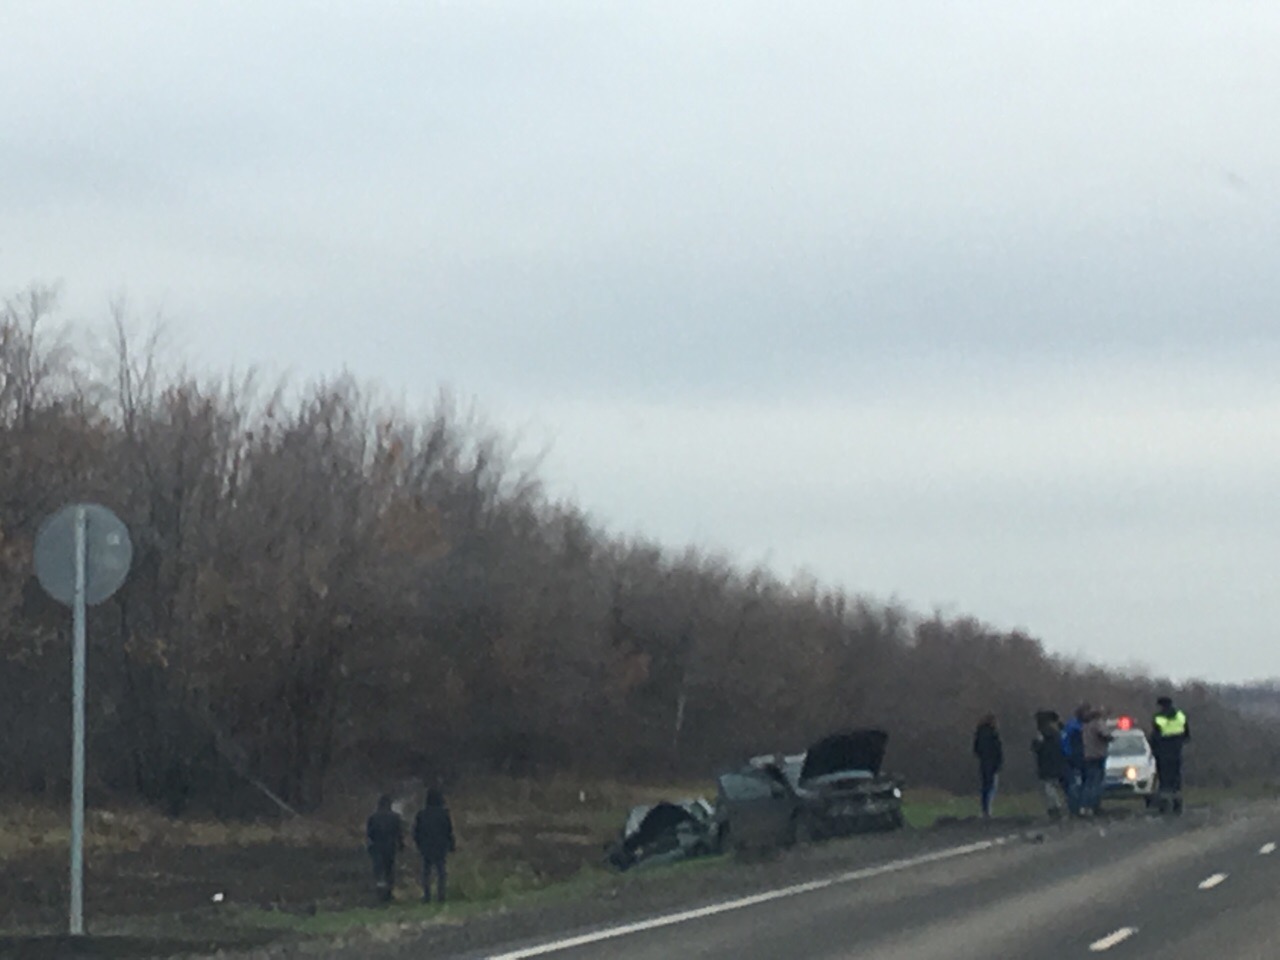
(1169, 731)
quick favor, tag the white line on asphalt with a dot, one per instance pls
(1267, 848)
(685, 916)
(1208, 883)
(1111, 939)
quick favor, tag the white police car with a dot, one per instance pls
(1131, 766)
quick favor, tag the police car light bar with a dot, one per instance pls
(1124, 723)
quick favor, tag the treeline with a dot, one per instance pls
(323, 588)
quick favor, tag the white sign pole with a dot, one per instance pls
(77, 749)
(98, 546)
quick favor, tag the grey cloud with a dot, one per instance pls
(863, 287)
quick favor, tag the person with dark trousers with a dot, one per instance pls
(1051, 764)
(1170, 731)
(990, 754)
(385, 833)
(433, 836)
(1073, 754)
(1096, 740)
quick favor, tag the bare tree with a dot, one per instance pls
(326, 586)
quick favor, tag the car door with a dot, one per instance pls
(756, 809)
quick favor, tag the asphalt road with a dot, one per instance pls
(1177, 888)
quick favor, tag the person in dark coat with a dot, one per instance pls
(433, 836)
(990, 754)
(1051, 763)
(385, 833)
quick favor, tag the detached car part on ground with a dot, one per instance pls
(835, 788)
(664, 833)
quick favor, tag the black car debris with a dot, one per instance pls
(835, 788)
(666, 832)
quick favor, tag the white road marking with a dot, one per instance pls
(1112, 939)
(1267, 848)
(1208, 883)
(670, 919)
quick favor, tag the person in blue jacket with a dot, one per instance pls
(1073, 753)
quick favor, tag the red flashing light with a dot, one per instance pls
(1125, 723)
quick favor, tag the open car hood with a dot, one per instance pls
(842, 752)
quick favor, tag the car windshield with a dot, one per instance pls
(1132, 743)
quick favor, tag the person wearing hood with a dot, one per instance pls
(990, 754)
(385, 834)
(1051, 765)
(433, 836)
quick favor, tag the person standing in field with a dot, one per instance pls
(990, 753)
(433, 836)
(385, 834)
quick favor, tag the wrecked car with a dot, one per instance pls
(834, 788)
(666, 832)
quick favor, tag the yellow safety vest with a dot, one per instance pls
(1174, 726)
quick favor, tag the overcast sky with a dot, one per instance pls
(974, 305)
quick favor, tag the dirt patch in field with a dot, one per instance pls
(171, 897)
(176, 881)
(117, 947)
(155, 886)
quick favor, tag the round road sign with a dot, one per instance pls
(108, 553)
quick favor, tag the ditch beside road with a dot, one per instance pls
(296, 890)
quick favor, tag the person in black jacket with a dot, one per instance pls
(990, 754)
(1051, 763)
(433, 836)
(385, 834)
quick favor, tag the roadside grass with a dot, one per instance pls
(520, 843)
(407, 912)
(26, 828)
(926, 807)
(516, 838)
(1252, 790)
